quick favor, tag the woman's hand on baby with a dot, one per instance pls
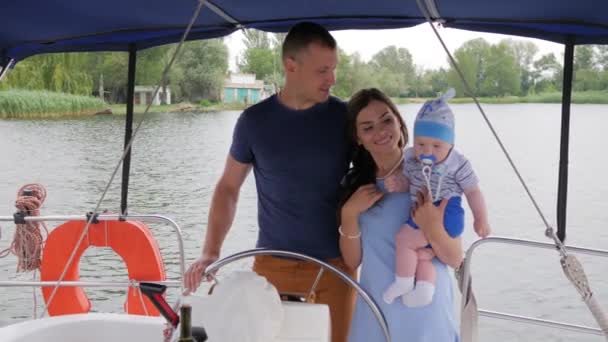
(362, 199)
(397, 182)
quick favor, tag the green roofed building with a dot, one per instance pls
(243, 88)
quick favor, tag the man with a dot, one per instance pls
(295, 142)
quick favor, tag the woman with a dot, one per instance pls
(371, 218)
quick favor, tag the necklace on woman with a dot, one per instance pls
(390, 172)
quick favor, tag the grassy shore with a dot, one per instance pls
(29, 104)
(121, 109)
(587, 97)
(25, 104)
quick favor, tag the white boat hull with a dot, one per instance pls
(94, 327)
(302, 322)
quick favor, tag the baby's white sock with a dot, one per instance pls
(421, 295)
(399, 287)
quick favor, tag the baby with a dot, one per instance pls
(432, 164)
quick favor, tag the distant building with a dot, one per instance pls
(243, 88)
(143, 95)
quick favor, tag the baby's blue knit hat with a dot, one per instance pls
(436, 120)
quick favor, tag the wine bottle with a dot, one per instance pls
(185, 333)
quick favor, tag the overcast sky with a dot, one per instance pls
(420, 41)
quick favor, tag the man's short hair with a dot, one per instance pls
(303, 34)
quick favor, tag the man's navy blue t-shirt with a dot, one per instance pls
(299, 158)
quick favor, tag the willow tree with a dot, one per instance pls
(60, 72)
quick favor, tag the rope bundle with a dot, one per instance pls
(28, 241)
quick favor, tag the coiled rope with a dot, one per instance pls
(28, 239)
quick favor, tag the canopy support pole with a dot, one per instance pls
(562, 189)
(223, 14)
(6, 67)
(126, 164)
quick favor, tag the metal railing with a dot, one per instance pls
(210, 270)
(104, 217)
(323, 266)
(518, 318)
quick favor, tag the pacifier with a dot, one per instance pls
(428, 159)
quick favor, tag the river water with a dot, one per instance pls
(178, 157)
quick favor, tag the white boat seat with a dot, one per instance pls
(90, 327)
(305, 322)
(250, 306)
(244, 307)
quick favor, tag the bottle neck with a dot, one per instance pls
(185, 320)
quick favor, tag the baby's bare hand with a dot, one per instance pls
(482, 228)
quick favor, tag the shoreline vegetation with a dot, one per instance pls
(26, 104)
(583, 97)
(182, 107)
(29, 104)
(42, 104)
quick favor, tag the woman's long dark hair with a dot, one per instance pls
(363, 170)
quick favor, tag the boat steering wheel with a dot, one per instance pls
(324, 266)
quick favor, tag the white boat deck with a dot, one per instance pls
(302, 322)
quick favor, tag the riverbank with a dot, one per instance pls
(585, 97)
(40, 104)
(121, 108)
(26, 104)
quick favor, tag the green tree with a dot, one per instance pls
(151, 63)
(438, 80)
(25, 75)
(352, 75)
(201, 69)
(587, 79)
(364, 76)
(113, 68)
(60, 72)
(258, 57)
(587, 64)
(344, 75)
(603, 76)
(276, 78)
(602, 57)
(394, 69)
(502, 73)
(421, 85)
(524, 53)
(583, 57)
(258, 61)
(547, 74)
(472, 59)
(547, 64)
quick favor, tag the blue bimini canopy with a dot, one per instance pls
(30, 27)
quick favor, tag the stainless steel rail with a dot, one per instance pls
(517, 318)
(107, 217)
(324, 266)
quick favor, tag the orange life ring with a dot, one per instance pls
(132, 241)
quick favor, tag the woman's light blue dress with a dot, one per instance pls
(433, 323)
